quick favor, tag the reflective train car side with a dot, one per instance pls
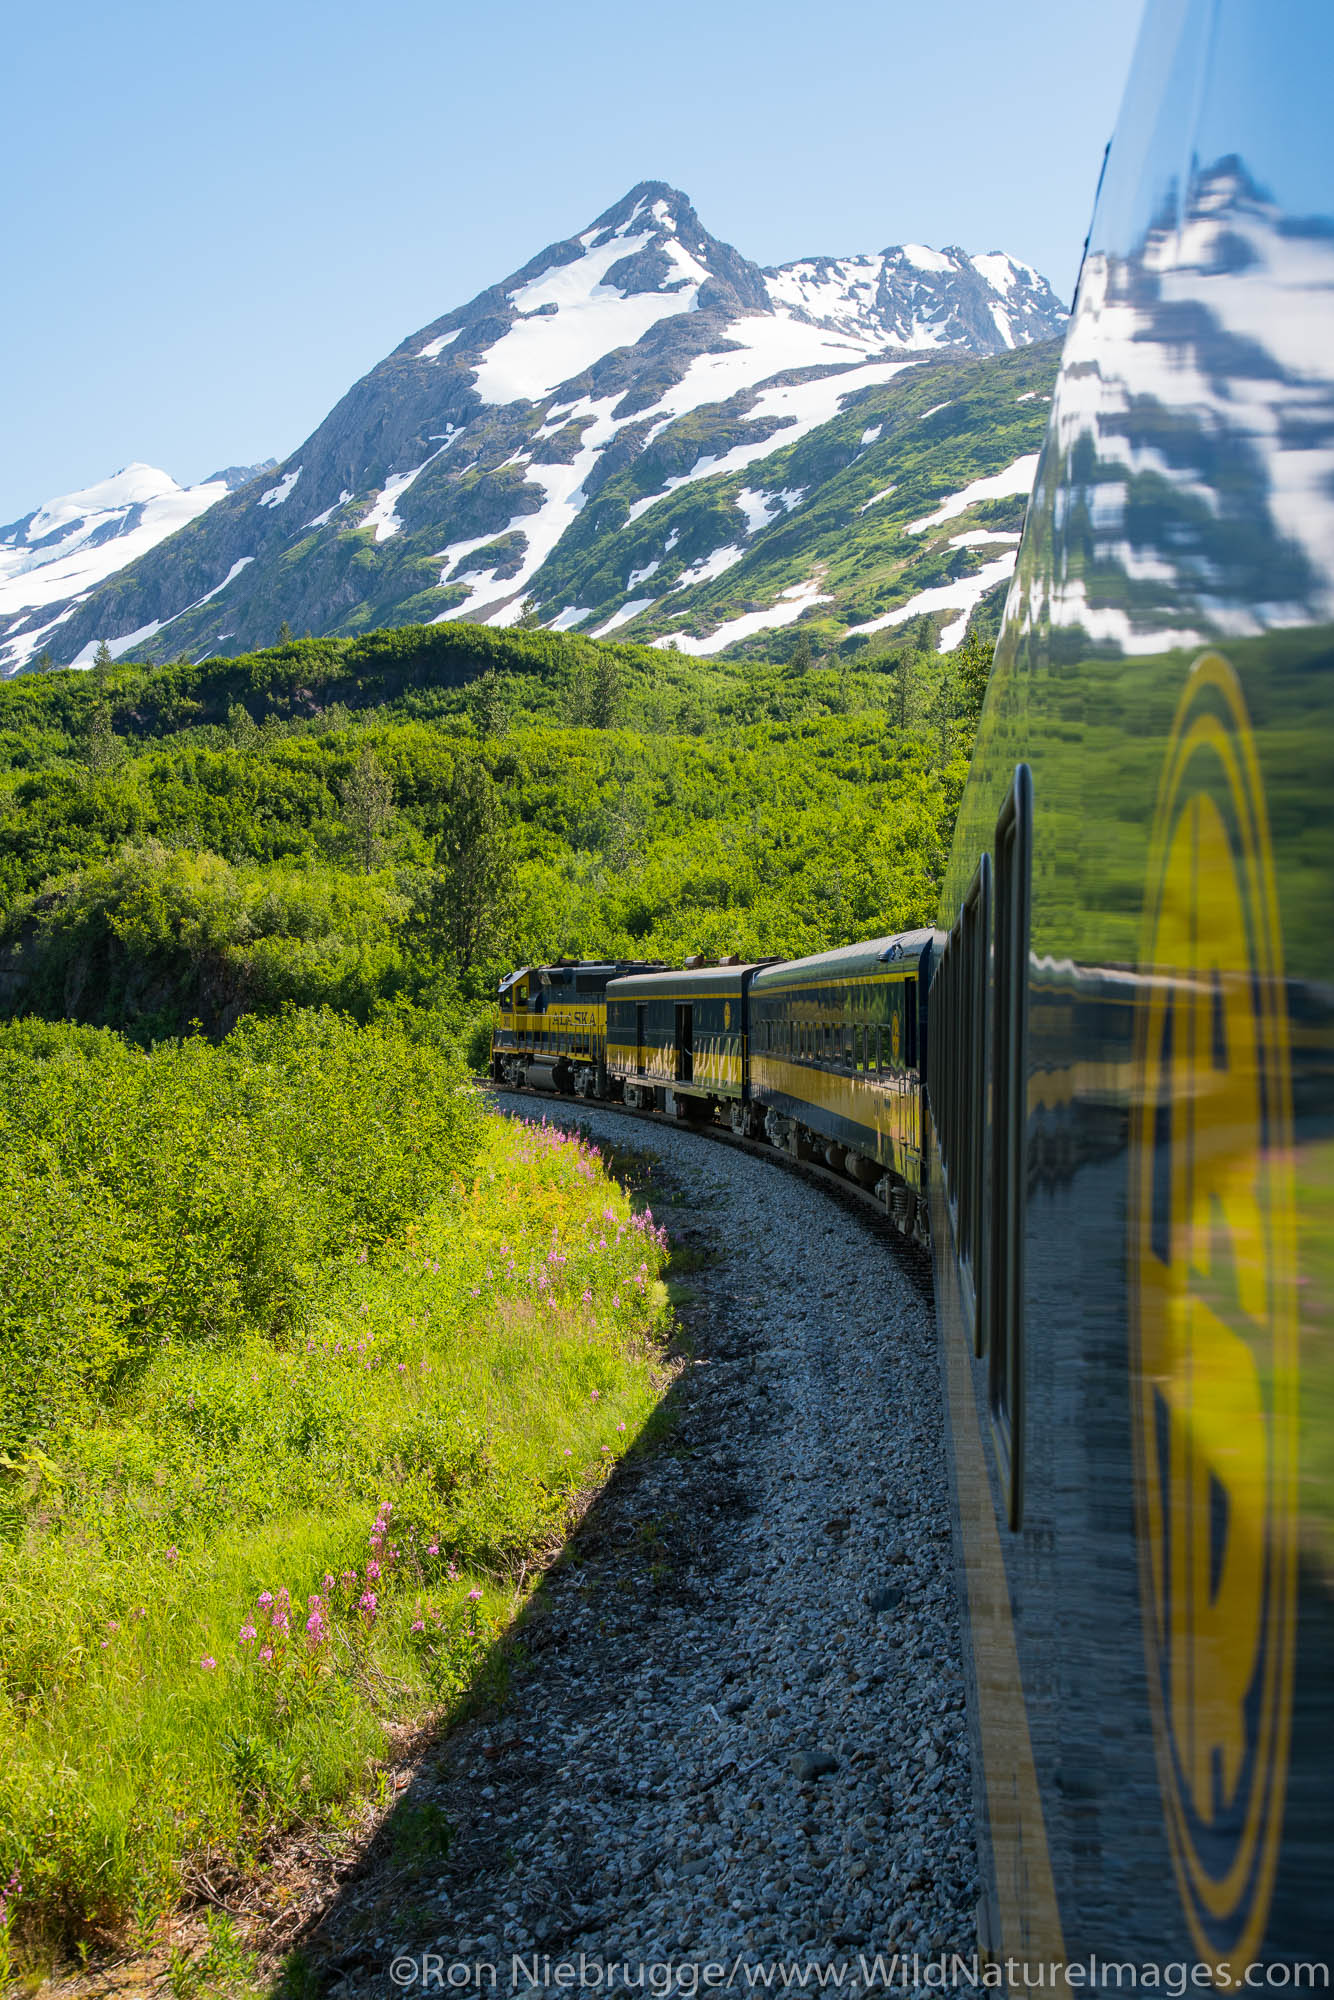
(1132, 1069)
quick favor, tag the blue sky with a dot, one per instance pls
(218, 218)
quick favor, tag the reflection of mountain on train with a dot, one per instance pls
(1191, 453)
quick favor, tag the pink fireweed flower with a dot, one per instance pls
(367, 1603)
(433, 1548)
(328, 1581)
(315, 1627)
(372, 1571)
(587, 1298)
(313, 1601)
(264, 1600)
(593, 1395)
(208, 1663)
(606, 1448)
(246, 1635)
(616, 1298)
(361, 1256)
(402, 1367)
(567, 1453)
(266, 1652)
(452, 1570)
(419, 1625)
(173, 1554)
(620, 1427)
(473, 1596)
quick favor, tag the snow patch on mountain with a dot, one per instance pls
(277, 494)
(570, 317)
(437, 346)
(321, 519)
(622, 617)
(709, 567)
(1016, 478)
(785, 611)
(383, 516)
(762, 508)
(961, 596)
(799, 407)
(127, 640)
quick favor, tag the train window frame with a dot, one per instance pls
(959, 1053)
(1012, 935)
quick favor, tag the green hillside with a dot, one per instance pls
(385, 823)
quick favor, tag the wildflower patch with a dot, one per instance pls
(254, 1557)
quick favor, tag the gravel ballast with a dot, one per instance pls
(739, 1735)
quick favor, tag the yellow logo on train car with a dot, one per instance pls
(1212, 1282)
(727, 1013)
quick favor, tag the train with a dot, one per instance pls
(1101, 1084)
(821, 1057)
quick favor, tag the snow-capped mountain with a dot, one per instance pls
(547, 428)
(52, 558)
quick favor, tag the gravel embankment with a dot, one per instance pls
(740, 1736)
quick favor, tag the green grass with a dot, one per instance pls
(391, 1471)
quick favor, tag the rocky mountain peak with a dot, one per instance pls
(639, 357)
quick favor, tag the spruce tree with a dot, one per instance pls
(801, 659)
(463, 902)
(367, 794)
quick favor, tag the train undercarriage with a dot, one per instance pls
(562, 1076)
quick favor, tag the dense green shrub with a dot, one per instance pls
(190, 1192)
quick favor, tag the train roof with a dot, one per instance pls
(611, 966)
(849, 961)
(698, 980)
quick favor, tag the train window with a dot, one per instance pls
(910, 1023)
(1014, 868)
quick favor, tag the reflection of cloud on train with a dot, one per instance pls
(1189, 469)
